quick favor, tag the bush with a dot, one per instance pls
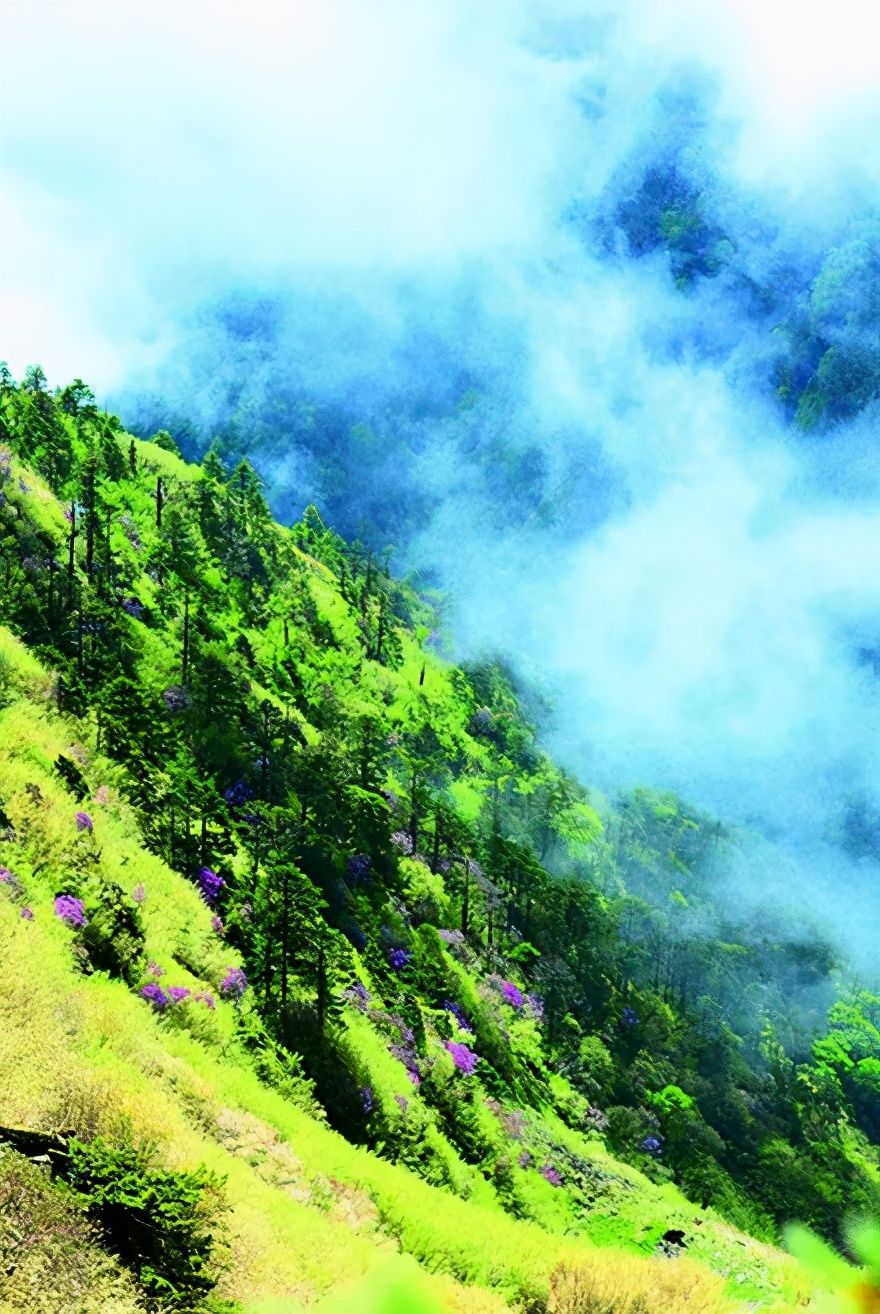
(425, 893)
(464, 1117)
(113, 936)
(596, 1068)
(792, 1184)
(160, 1223)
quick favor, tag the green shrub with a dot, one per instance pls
(161, 1223)
(596, 1068)
(704, 1180)
(464, 1117)
(113, 937)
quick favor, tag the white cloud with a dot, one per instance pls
(153, 153)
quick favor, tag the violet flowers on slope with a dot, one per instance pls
(71, 911)
(464, 1059)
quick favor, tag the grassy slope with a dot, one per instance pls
(311, 1214)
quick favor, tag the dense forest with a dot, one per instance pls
(418, 930)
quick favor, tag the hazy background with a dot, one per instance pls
(416, 260)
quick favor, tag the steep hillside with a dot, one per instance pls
(288, 897)
(83, 1050)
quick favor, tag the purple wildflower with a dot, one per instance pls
(238, 793)
(368, 1102)
(403, 1102)
(525, 1159)
(406, 1055)
(652, 1145)
(514, 1123)
(133, 607)
(11, 881)
(210, 884)
(358, 995)
(463, 1058)
(153, 969)
(155, 995)
(405, 1050)
(512, 995)
(207, 999)
(217, 925)
(398, 958)
(550, 1174)
(139, 894)
(234, 983)
(178, 993)
(84, 822)
(596, 1119)
(458, 1013)
(481, 721)
(70, 910)
(176, 699)
(27, 914)
(629, 1017)
(401, 839)
(358, 869)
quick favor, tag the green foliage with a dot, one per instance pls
(597, 1068)
(396, 863)
(162, 1224)
(831, 369)
(670, 1100)
(113, 937)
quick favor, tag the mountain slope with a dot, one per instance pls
(293, 898)
(86, 1053)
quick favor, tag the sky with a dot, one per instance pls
(415, 189)
(148, 149)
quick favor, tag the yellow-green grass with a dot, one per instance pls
(310, 1213)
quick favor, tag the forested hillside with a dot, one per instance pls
(304, 930)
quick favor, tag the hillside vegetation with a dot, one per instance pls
(334, 983)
